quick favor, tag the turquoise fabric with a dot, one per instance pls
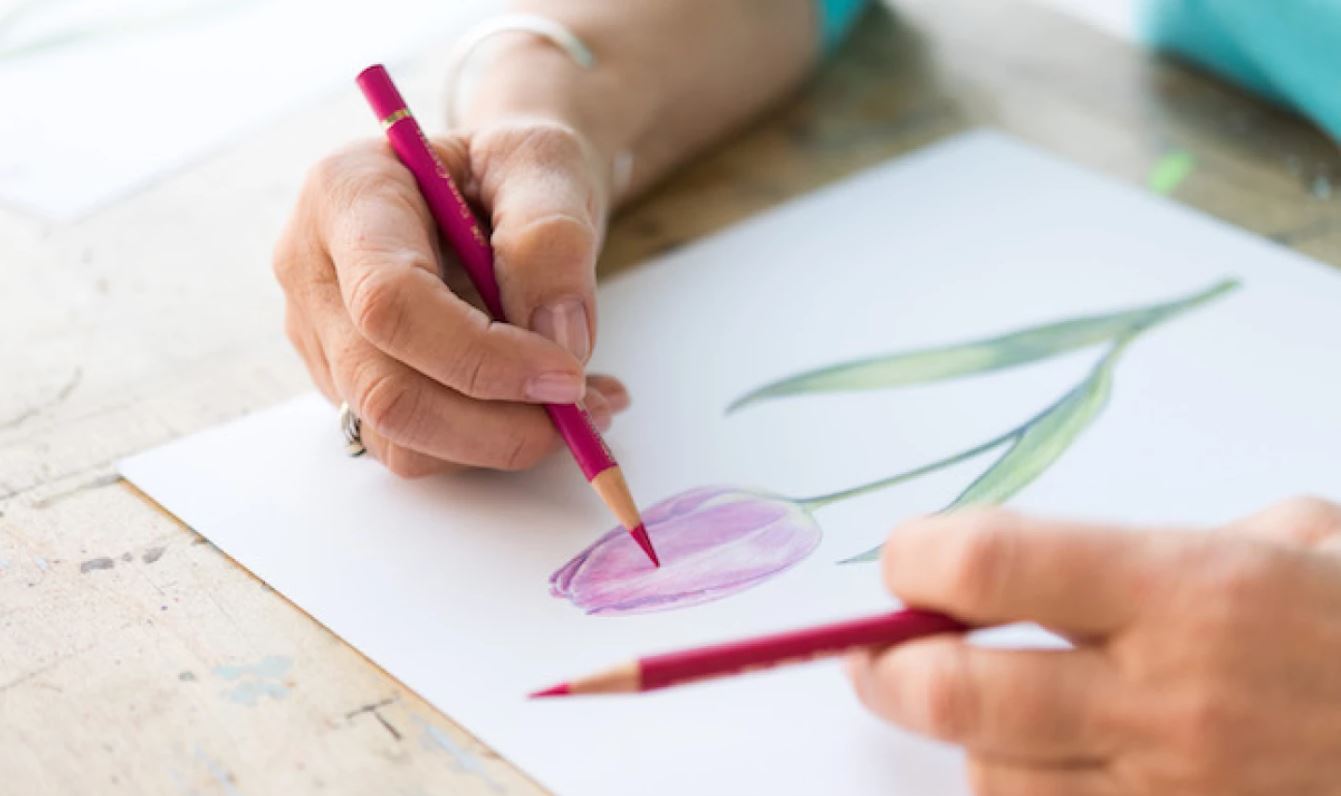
(1287, 50)
(836, 18)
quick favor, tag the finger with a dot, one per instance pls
(993, 567)
(1306, 521)
(418, 413)
(410, 463)
(404, 462)
(613, 390)
(380, 239)
(1028, 705)
(542, 187)
(997, 778)
(415, 412)
(602, 414)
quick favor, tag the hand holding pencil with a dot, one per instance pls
(385, 319)
(463, 232)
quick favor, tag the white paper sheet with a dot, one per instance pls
(102, 97)
(443, 582)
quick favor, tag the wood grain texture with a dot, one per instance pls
(136, 658)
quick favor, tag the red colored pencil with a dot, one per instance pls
(464, 232)
(763, 652)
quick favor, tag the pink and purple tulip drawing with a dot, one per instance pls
(713, 542)
(721, 540)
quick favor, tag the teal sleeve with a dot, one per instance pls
(836, 18)
(1288, 50)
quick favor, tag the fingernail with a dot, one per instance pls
(556, 388)
(565, 322)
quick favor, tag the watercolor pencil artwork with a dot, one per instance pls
(1116, 368)
(718, 541)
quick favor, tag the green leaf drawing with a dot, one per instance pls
(1038, 443)
(981, 356)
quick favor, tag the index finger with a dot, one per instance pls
(995, 567)
(381, 242)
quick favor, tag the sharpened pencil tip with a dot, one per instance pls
(555, 690)
(645, 542)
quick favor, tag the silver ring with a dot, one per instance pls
(350, 427)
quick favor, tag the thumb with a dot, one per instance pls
(544, 190)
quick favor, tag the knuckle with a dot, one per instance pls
(366, 168)
(947, 694)
(522, 451)
(387, 403)
(336, 171)
(376, 305)
(469, 370)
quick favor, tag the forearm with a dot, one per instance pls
(671, 76)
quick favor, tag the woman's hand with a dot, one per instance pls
(1203, 663)
(386, 321)
(383, 318)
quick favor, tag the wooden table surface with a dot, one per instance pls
(136, 658)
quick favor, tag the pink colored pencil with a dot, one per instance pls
(467, 237)
(763, 652)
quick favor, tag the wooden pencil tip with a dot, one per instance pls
(645, 542)
(555, 690)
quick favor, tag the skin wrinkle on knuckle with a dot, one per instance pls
(388, 404)
(363, 175)
(376, 305)
(522, 451)
(470, 366)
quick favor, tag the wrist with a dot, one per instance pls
(519, 75)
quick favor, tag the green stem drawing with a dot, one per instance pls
(1030, 448)
(929, 365)
(814, 503)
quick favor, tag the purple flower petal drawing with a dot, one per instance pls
(713, 542)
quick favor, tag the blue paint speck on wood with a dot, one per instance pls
(464, 760)
(257, 680)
